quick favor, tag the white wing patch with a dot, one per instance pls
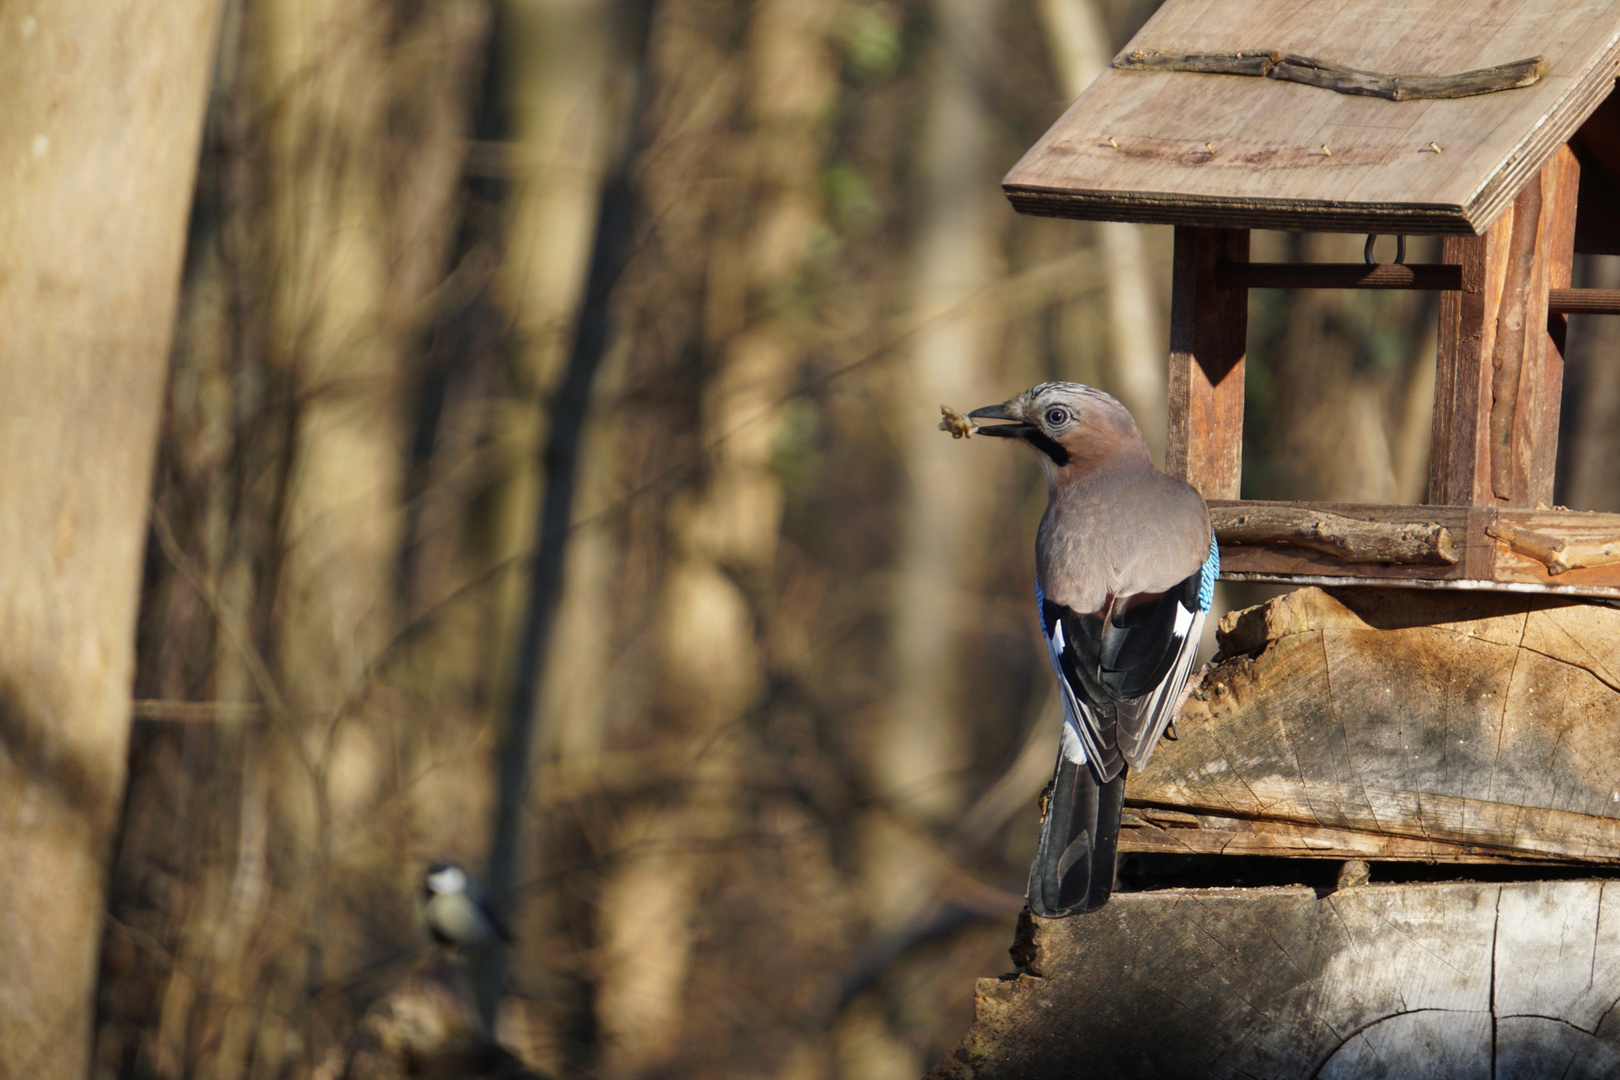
(1072, 750)
(1079, 727)
(1156, 711)
(1160, 706)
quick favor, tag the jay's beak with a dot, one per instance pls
(1018, 429)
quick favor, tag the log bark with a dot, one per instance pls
(104, 106)
(1560, 554)
(1351, 539)
(1480, 720)
(1461, 980)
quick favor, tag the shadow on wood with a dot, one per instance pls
(1398, 724)
(1457, 980)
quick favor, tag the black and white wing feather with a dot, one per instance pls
(1121, 672)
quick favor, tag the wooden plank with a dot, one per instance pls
(1500, 365)
(1208, 339)
(1428, 276)
(1162, 831)
(1220, 150)
(1525, 431)
(1248, 555)
(1463, 718)
(1462, 980)
(1461, 389)
(1568, 552)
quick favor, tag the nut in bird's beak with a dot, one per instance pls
(1017, 429)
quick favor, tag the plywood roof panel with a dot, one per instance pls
(1249, 152)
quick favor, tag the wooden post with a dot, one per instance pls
(1209, 329)
(1501, 364)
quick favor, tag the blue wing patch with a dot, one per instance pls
(1206, 578)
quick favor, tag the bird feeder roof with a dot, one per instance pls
(1258, 151)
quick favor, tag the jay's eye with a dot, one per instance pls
(1057, 417)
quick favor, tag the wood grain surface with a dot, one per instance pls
(1461, 980)
(1500, 360)
(1215, 150)
(1209, 329)
(1469, 719)
(1556, 551)
(1162, 831)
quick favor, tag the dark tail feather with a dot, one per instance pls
(1074, 864)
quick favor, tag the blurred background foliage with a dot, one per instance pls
(793, 719)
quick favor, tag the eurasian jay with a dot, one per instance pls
(1125, 568)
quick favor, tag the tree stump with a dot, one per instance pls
(1393, 726)
(1456, 980)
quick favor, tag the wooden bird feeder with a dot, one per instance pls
(1491, 126)
(1372, 727)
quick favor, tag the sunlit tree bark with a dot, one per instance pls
(319, 249)
(921, 750)
(103, 106)
(723, 531)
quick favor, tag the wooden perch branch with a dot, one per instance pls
(1351, 539)
(1437, 277)
(1559, 554)
(1309, 71)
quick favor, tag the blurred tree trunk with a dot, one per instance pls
(1135, 366)
(923, 748)
(319, 243)
(104, 105)
(363, 112)
(726, 258)
(565, 92)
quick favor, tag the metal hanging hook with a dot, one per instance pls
(1372, 260)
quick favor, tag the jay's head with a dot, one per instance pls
(1072, 425)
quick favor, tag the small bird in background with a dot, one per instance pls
(454, 909)
(1125, 568)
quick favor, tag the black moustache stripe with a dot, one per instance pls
(1048, 446)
